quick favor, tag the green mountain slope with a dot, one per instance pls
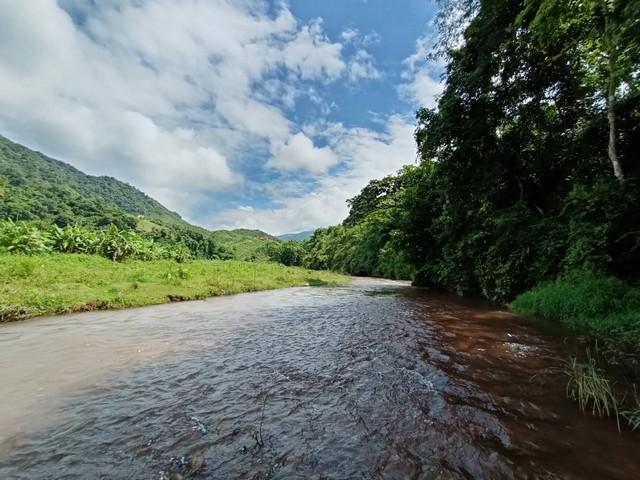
(297, 236)
(37, 187)
(243, 244)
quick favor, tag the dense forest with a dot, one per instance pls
(528, 167)
(37, 187)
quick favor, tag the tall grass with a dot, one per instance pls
(599, 305)
(589, 387)
(53, 284)
(607, 310)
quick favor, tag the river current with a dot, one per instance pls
(376, 380)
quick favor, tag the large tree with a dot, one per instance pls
(602, 34)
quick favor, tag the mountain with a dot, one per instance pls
(243, 244)
(297, 236)
(37, 187)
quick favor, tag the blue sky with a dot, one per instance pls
(244, 113)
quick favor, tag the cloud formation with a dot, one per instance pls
(423, 81)
(366, 154)
(149, 91)
(191, 99)
(300, 153)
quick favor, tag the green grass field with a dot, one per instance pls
(32, 286)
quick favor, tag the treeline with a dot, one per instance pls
(114, 243)
(528, 166)
(369, 242)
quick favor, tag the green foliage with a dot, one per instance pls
(600, 305)
(54, 284)
(40, 188)
(243, 244)
(4, 181)
(520, 191)
(370, 242)
(514, 186)
(112, 243)
(36, 188)
(288, 253)
(22, 238)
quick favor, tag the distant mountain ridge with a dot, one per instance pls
(42, 188)
(297, 236)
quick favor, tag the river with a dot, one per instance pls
(376, 380)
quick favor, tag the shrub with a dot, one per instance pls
(582, 300)
(23, 238)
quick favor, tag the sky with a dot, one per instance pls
(238, 113)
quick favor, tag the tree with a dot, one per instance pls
(605, 37)
(4, 181)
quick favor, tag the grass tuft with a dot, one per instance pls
(632, 412)
(589, 387)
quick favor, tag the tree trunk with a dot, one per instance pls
(611, 101)
(611, 117)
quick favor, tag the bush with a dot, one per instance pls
(113, 243)
(585, 301)
(23, 238)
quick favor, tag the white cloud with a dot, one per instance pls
(174, 96)
(366, 154)
(311, 55)
(362, 67)
(353, 35)
(349, 34)
(300, 153)
(159, 93)
(422, 84)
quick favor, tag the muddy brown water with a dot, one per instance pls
(376, 380)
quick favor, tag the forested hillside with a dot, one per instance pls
(41, 188)
(36, 188)
(243, 244)
(528, 166)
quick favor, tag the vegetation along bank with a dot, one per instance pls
(526, 189)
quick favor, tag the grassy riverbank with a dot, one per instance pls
(605, 378)
(600, 306)
(32, 286)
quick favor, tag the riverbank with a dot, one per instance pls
(600, 306)
(605, 312)
(32, 286)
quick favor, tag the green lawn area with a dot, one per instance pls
(32, 286)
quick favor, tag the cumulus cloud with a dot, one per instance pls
(299, 153)
(422, 82)
(174, 96)
(365, 153)
(156, 92)
(362, 66)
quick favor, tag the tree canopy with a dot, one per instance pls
(529, 164)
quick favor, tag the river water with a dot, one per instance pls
(376, 380)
